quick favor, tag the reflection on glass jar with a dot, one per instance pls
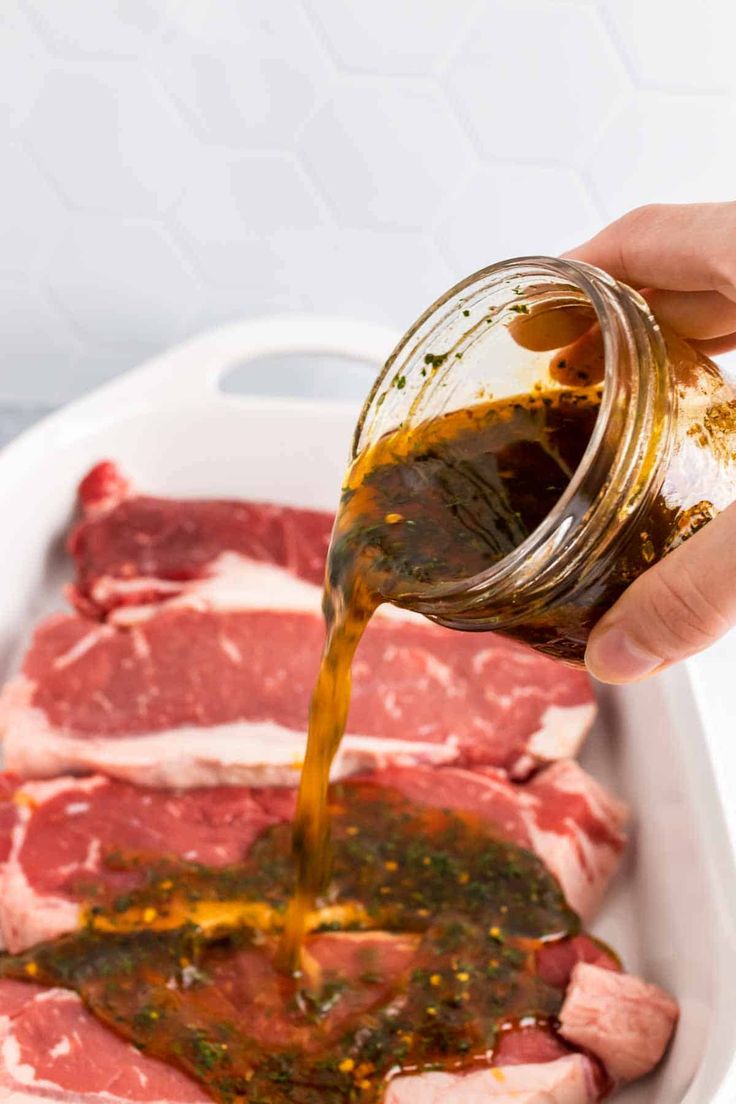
(534, 443)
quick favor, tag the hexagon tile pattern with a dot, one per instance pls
(245, 76)
(109, 139)
(172, 164)
(534, 81)
(384, 154)
(122, 283)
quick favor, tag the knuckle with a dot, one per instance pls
(640, 218)
(645, 212)
(681, 614)
(721, 258)
(626, 233)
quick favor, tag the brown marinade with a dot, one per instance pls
(471, 908)
(448, 499)
(438, 503)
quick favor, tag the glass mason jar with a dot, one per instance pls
(660, 461)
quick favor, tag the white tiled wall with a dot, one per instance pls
(169, 164)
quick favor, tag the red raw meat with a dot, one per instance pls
(8, 812)
(622, 1020)
(192, 697)
(67, 825)
(51, 1048)
(556, 961)
(567, 1080)
(250, 981)
(534, 1043)
(210, 683)
(133, 550)
(103, 488)
(565, 816)
(528, 1043)
(213, 681)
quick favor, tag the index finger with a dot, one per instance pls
(676, 247)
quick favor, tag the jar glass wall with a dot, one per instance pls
(659, 462)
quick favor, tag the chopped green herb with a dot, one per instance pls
(435, 360)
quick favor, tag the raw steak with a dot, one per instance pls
(9, 815)
(565, 816)
(49, 1031)
(51, 1048)
(131, 550)
(253, 987)
(67, 825)
(191, 697)
(452, 697)
(8, 812)
(622, 1020)
(556, 961)
(565, 1081)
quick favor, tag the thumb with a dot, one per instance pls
(676, 608)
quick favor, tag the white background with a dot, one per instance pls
(171, 164)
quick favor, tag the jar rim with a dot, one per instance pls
(604, 293)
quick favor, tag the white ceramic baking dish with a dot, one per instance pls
(671, 914)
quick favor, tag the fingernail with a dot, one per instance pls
(612, 656)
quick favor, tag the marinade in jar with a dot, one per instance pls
(443, 502)
(448, 499)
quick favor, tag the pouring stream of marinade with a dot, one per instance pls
(434, 512)
(442, 501)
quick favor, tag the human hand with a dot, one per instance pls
(684, 260)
